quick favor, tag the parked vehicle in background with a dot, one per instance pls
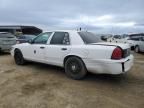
(24, 38)
(77, 52)
(7, 40)
(125, 39)
(137, 43)
(104, 38)
(118, 38)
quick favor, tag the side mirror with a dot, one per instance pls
(30, 41)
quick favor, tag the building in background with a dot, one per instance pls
(18, 30)
(137, 35)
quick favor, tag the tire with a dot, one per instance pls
(19, 60)
(137, 49)
(75, 68)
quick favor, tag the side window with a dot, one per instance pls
(42, 38)
(60, 38)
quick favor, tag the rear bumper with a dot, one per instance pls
(109, 66)
(5, 47)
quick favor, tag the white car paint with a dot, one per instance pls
(96, 57)
(138, 42)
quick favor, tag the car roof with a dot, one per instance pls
(66, 31)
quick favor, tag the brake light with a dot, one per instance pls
(117, 54)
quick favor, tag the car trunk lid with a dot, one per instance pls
(121, 45)
(125, 47)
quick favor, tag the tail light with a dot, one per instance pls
(117, 54)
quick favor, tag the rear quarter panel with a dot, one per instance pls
(92, 51)
(99, 51)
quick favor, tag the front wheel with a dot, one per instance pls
(75, 68)
(19, 60)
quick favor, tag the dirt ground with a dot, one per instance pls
(42, 86)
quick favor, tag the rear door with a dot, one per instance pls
(59, 46)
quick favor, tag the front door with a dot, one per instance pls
(35, 50)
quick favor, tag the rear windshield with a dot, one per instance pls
(3, 35)
(89, 37)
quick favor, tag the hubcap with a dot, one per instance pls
(73, 67)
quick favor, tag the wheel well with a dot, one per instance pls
(136, 46)
(16, 50)
(65, 59)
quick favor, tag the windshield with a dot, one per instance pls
(89, 37)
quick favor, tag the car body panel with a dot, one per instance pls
(96, 56)
(109, 66)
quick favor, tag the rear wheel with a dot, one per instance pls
(19, 60)
(75, 68)
(137, 49)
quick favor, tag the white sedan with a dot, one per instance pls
(77, 52)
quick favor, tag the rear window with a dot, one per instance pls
(89, 37)
(3, 35)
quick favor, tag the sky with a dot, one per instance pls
(99, 16)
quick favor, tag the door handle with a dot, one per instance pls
(64, 49)
(42, 47)
(34, 51)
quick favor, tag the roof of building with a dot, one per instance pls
(138, 34)
(25, 29)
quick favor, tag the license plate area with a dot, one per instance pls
(127, 65)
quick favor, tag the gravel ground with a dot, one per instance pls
(42, 86)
